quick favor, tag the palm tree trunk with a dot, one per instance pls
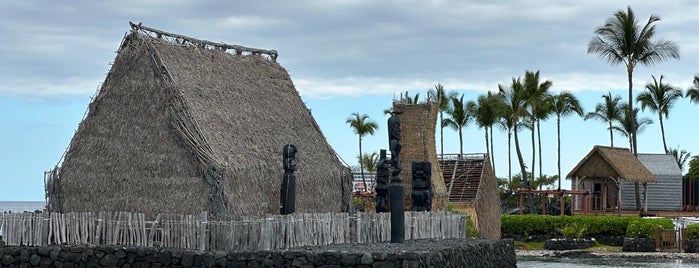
(461, 145)
(558, 135)
(487, 144)
(662, 132)
(632, 117)
(523, 169)
(361, 165)
(611, 135)
(533, 173)
(509, 154)
(538, 134)
(441, 133)
(492, 153)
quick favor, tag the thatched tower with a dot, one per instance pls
(182, 125)
(418, 123)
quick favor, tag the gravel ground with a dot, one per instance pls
(579, 254)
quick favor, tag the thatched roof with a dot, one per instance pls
(182, 125)
(611, 162)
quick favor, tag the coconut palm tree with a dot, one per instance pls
(693, 92)
(659, 98)
(609, 111)
(681, 156)
(536, 101)
(515, 97)
(458, 118)
(623, 126)
(564, 104)
(442, 97)
(485, 113)
(622, 40)
(370, 161)
(505, 122)
(362, 125)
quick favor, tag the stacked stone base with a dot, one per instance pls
(414, 253)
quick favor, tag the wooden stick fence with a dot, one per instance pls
(238, 234)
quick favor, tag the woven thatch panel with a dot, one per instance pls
(247, 109)
(418, 123)
(487, 203)
(612, 162)
(124, 156)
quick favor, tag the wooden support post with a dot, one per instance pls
(204, 220)
(542, 197)
(562, 202)
(521, 200)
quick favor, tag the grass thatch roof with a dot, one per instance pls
(611, 162)
(182, 125)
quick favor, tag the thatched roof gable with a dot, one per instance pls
(212, 115)
(611, 162)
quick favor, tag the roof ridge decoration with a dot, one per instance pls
(190, 41)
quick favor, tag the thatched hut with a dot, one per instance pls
(609, 174)
(182, 125)
(473, 188)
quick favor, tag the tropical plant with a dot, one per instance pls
(622, 40)
(485, 112)
(564, 104)
(515, 97)
(573, 230)
(362, 125)
(623, 126)
(505, 122)
(681, 156)
(693, 92)
(659, 98)
(609, 111)
(539, 107)
(693, 171)
(458, 118)
(442, 97)
(370, 161)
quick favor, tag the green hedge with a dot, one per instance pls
(597, 225)
(693, 231)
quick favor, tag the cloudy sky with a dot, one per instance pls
(343, 56)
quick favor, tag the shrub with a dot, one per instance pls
(645, 228)
(693, 231)
(576, 229)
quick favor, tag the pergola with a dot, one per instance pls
(544, 193)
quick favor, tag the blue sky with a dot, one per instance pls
(344, 57)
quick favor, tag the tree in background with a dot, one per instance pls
(693, 171)
(564, 104)
(623, 126)
(362, 125)
(458, 118)
(681, 156)
(659, 98)
(485, 112)
(622, 40)
(536, 100)
(370, 161)
(442, 97)
(514, 97)
(693, 92)
(609, 111)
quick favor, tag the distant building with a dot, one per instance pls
(358, 184)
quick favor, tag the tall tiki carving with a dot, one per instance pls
(396, 190)
(420, 193)
(382, 183)
(288, 191)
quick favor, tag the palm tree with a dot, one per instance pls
(609, 111)
(681, 156)
(515, 97)
(622, 40)
(564, 104)
(659, 98)
(536, 96)
(485, 113)
(442, 98)
(505, 122)
(362, 125)
(370, 161)
(623, 126)
(693, 92)
(457, 119)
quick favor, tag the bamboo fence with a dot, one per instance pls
(199, 232)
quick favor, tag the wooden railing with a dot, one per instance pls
(203, 233)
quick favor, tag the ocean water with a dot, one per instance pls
(21, 206)
(579, 263)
